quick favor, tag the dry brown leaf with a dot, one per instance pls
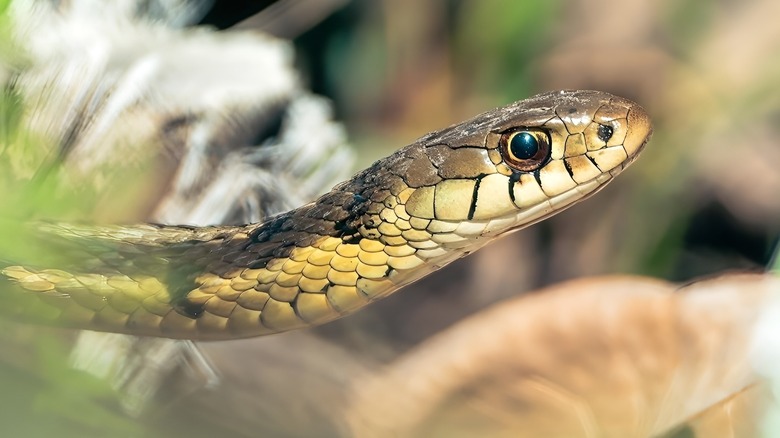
(598, 357)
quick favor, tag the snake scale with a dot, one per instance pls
(438, 199)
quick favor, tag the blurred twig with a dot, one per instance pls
(290, 18)
(774, 263)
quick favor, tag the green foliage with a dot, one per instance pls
(41, 394)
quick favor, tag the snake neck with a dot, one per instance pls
(351, 211)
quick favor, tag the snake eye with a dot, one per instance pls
(604, 132)
(525, 149)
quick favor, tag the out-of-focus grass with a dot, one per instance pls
(40, 395)
(49, 398)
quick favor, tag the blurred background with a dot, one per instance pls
(702, 199)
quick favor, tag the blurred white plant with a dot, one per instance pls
(122, 84)
(110, 86)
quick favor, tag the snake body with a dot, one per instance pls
(442, 197)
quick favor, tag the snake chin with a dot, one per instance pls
(472, 235)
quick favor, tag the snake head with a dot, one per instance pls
(506, 169)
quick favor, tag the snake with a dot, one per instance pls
(440, 198)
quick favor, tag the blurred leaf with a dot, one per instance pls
(601, 356)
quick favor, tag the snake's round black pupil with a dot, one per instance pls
(524, 145)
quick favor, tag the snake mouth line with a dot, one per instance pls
(474, 234)
(556, 203)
